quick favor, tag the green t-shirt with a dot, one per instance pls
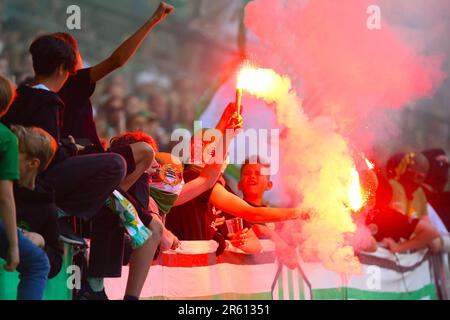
(9, 155)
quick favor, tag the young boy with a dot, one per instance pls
(254, 183)
(81, 183)
(35, 202)
(195, 219)
(76, 93)
(19, 252)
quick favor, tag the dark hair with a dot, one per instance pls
(68, 38)
(51, 51)
(71, 41)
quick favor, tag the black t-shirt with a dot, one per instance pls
(192, 220)
(140, 190)
(36, 212)
(40, 108)
(441, 203)
(78, 114)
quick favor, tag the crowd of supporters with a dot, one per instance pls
(105, 165)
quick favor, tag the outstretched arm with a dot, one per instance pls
(128, 48)
(423, 237)
(232, 204)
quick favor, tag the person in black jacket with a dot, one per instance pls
(81, 183)
(436, 182)
(35, 202)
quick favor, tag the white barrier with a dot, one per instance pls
(196, 273)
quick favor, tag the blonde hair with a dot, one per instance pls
(7, 95)
(36, 143)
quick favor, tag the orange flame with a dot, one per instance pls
(254, 79)
(355, 196)
(262, 83)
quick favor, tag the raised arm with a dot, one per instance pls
(232, 204)
(128, 48)
(205, 181)
(211, 172)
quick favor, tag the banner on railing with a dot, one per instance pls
(194, 272)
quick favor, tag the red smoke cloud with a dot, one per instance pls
(341, 68)
(346, 76)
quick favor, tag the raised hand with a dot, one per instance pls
(230, 119)
(162, 11)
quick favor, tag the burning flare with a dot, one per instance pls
(355, 197)
(262, 82)
(318, 165)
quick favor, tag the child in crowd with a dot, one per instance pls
(81, 183)
(196, 219)
(76, 93)
(109, 231)
(18, 251)
(254, 182)
(79, 122)
(35, 202)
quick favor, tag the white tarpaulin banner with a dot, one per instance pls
(194, 272)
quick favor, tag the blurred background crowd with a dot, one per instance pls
(159, 90)
(172, 77)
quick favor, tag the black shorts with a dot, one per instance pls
(127, 154)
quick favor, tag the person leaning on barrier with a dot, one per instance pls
(19, 252)
(35, 202)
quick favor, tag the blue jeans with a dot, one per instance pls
(33, 268)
